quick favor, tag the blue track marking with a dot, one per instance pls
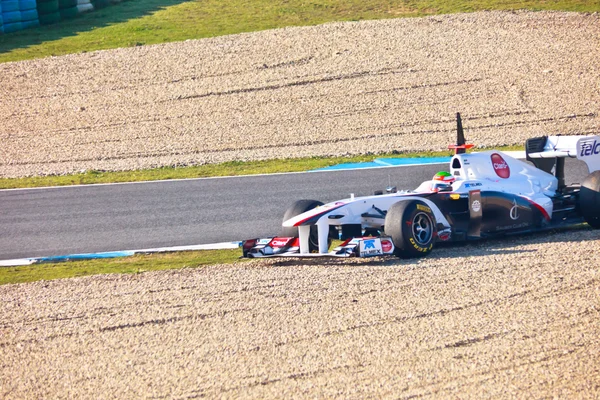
(87, 256)
(388, 162)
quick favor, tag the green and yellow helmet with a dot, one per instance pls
(444, 176)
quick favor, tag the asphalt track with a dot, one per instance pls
(97, 218)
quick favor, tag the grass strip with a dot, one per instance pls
(124, 265)
(233, 168)
(143, 22)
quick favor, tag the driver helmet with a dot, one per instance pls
(441, 180)
(444, 177)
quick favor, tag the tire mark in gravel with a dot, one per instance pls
(146, 83)
(294, 376)
(131, 155)
(472, 341)
(27, 134)
(425, 86)
(179, 290)
(474, 117)
(129, 325)
(504, 124)
(353, 111)
(561, 321)
(354, 75)
(137, 85)
(218, 297)
(403, 319)
(486, 375)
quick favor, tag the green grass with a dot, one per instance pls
(233, 168)
(126, 265)
(141, 22)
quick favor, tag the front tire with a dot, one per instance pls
(412, 227)
(297, 208)
(589, 199)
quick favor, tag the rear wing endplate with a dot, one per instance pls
(545, 150)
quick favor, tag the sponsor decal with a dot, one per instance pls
(476, 205)
(263, 241)
(468, 185)
(589, 148)
(513, 226)
(454, 196)
(500, 166)
(280, 242)
(370, 247)
(369, 244)
(423, 208)
(386, 245)
(419, 248)
(514, 211)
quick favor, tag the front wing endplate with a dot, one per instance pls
(290, 247)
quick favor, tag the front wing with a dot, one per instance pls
(290, 247)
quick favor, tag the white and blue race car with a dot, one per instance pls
(485, 194)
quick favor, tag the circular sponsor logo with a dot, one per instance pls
(476, 205)
(386, 246)
(500, 166)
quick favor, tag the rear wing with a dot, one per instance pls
(548, 152)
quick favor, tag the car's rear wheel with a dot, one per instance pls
(589, 199)
(412, 227)
(297, 208)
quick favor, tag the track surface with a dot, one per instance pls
(501, 319)
(60, 221)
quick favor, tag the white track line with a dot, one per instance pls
(114, 254)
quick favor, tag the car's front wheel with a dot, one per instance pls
(412, 227)
(297, 208)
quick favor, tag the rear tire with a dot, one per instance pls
(412, 227)
(297, 208)
(589, 199)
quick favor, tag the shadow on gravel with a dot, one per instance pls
(112, 14)
(482, 248)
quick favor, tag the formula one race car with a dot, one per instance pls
(486, 194)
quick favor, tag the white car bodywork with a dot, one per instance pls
(488, 170)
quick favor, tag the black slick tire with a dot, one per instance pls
(589, 199)
(412, 227)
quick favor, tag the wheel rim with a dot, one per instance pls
(422, 228)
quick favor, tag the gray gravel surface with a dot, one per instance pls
(500, 319)
(340, 88)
